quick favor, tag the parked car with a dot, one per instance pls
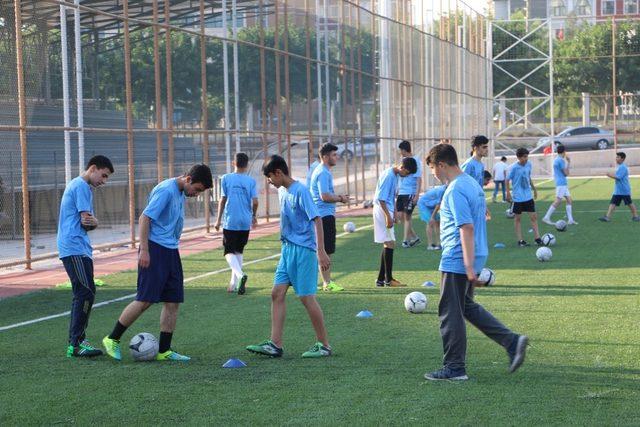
(579, 138)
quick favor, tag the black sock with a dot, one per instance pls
(382, 267)
(388, 263)
(165, 341)
(118, 331)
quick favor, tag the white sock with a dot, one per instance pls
(233, 263)
(240, 260)
(569, 213)
(550, 212)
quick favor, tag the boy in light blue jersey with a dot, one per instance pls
(237, 211)
(429, 206)
(160, 277)
(519, 180)
(384, 216)
(300, 227)
(473, 166)
(325, 199)
(464, 253)
(621, 190)
(560, 172)
(312, 168)
(408, 194)
(75, 251)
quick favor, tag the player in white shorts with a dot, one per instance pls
(560, 172)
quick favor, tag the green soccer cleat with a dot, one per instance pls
(332, 287)
(172, 356)
(112, 347)
(83, 350)
(242, 288)
(268, 348)
(318, 350)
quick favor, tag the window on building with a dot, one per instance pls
(558, 8)
(631, 7)
(608, 7)
(583, 8)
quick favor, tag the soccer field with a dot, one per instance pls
(581, 312)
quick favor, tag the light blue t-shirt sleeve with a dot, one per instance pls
(157, 204)
(307, 205)
(253, 189)
(223, 186)
(461, 209)
(388, 189)
(621, 172)
(84, 199)
(324, 184)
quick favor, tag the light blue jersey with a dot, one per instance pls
(430, 199)
(463, 203)
(322, 182)
(297, 212)
(622, 186)
(386, 189)
(520, 177)
(475, 169)
(559, 165)
(72, 239)
(312, 168)
(240, 190)
(166, 210)
(409, 183)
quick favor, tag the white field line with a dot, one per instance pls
(126, 297)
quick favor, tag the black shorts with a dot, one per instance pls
(329, 229)
(616, 199)
(163, 280)
(528, 206)
(404, 203)
(234, 241)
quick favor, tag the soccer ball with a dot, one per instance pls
(548, 239)
(544, 254)
(143, 347)
(509, 213)
(561, 225)
(349, 227)
(487, 276)
(415, 302)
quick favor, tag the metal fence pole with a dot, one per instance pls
(79, 89)
(129, 104)
(158, 91)
(64, 59)
(169, 82)
(204, 114)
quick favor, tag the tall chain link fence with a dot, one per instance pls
(157, 86)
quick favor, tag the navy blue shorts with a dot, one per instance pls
(616, 199)
(163, 280)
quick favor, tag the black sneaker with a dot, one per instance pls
(83, 350)
(522, 243)
(243, 285)
(539, 242)
(267, 348)
(604, 219)
(517, 352)
(381, 283)
(447, 374)
(414, 242)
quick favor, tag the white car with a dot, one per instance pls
(579, 138)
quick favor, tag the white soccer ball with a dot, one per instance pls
(143, 347)
(544, 254)
(509, 213)
(415, 302)
(487, 276)
(561, 225)
(548, 239)
(349, 227)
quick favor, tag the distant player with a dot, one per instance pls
(560, 172)
(429, 206)
(312, 168)
(75, 251)
(160, 277)
(408, 195)
(519, 180)
(464, 253)
(384, 216)
(473, 166)
(237, 212)
(621, 190)
(300, 227)
(499, 176)
(325, 199)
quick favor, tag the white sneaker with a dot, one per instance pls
(548, 221)
(572, 223)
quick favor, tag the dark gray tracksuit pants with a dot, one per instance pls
(456, 305)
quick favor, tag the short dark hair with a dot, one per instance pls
(201, 174)
(442, 153)
(478, 140)
(520, 152)
(560, 149)
(410, 164)
(503, 159)
(621, 154)
(327, 148)
(405, 145)
(242, 160)
(101, 162)
(487, 175)
(275, 162)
